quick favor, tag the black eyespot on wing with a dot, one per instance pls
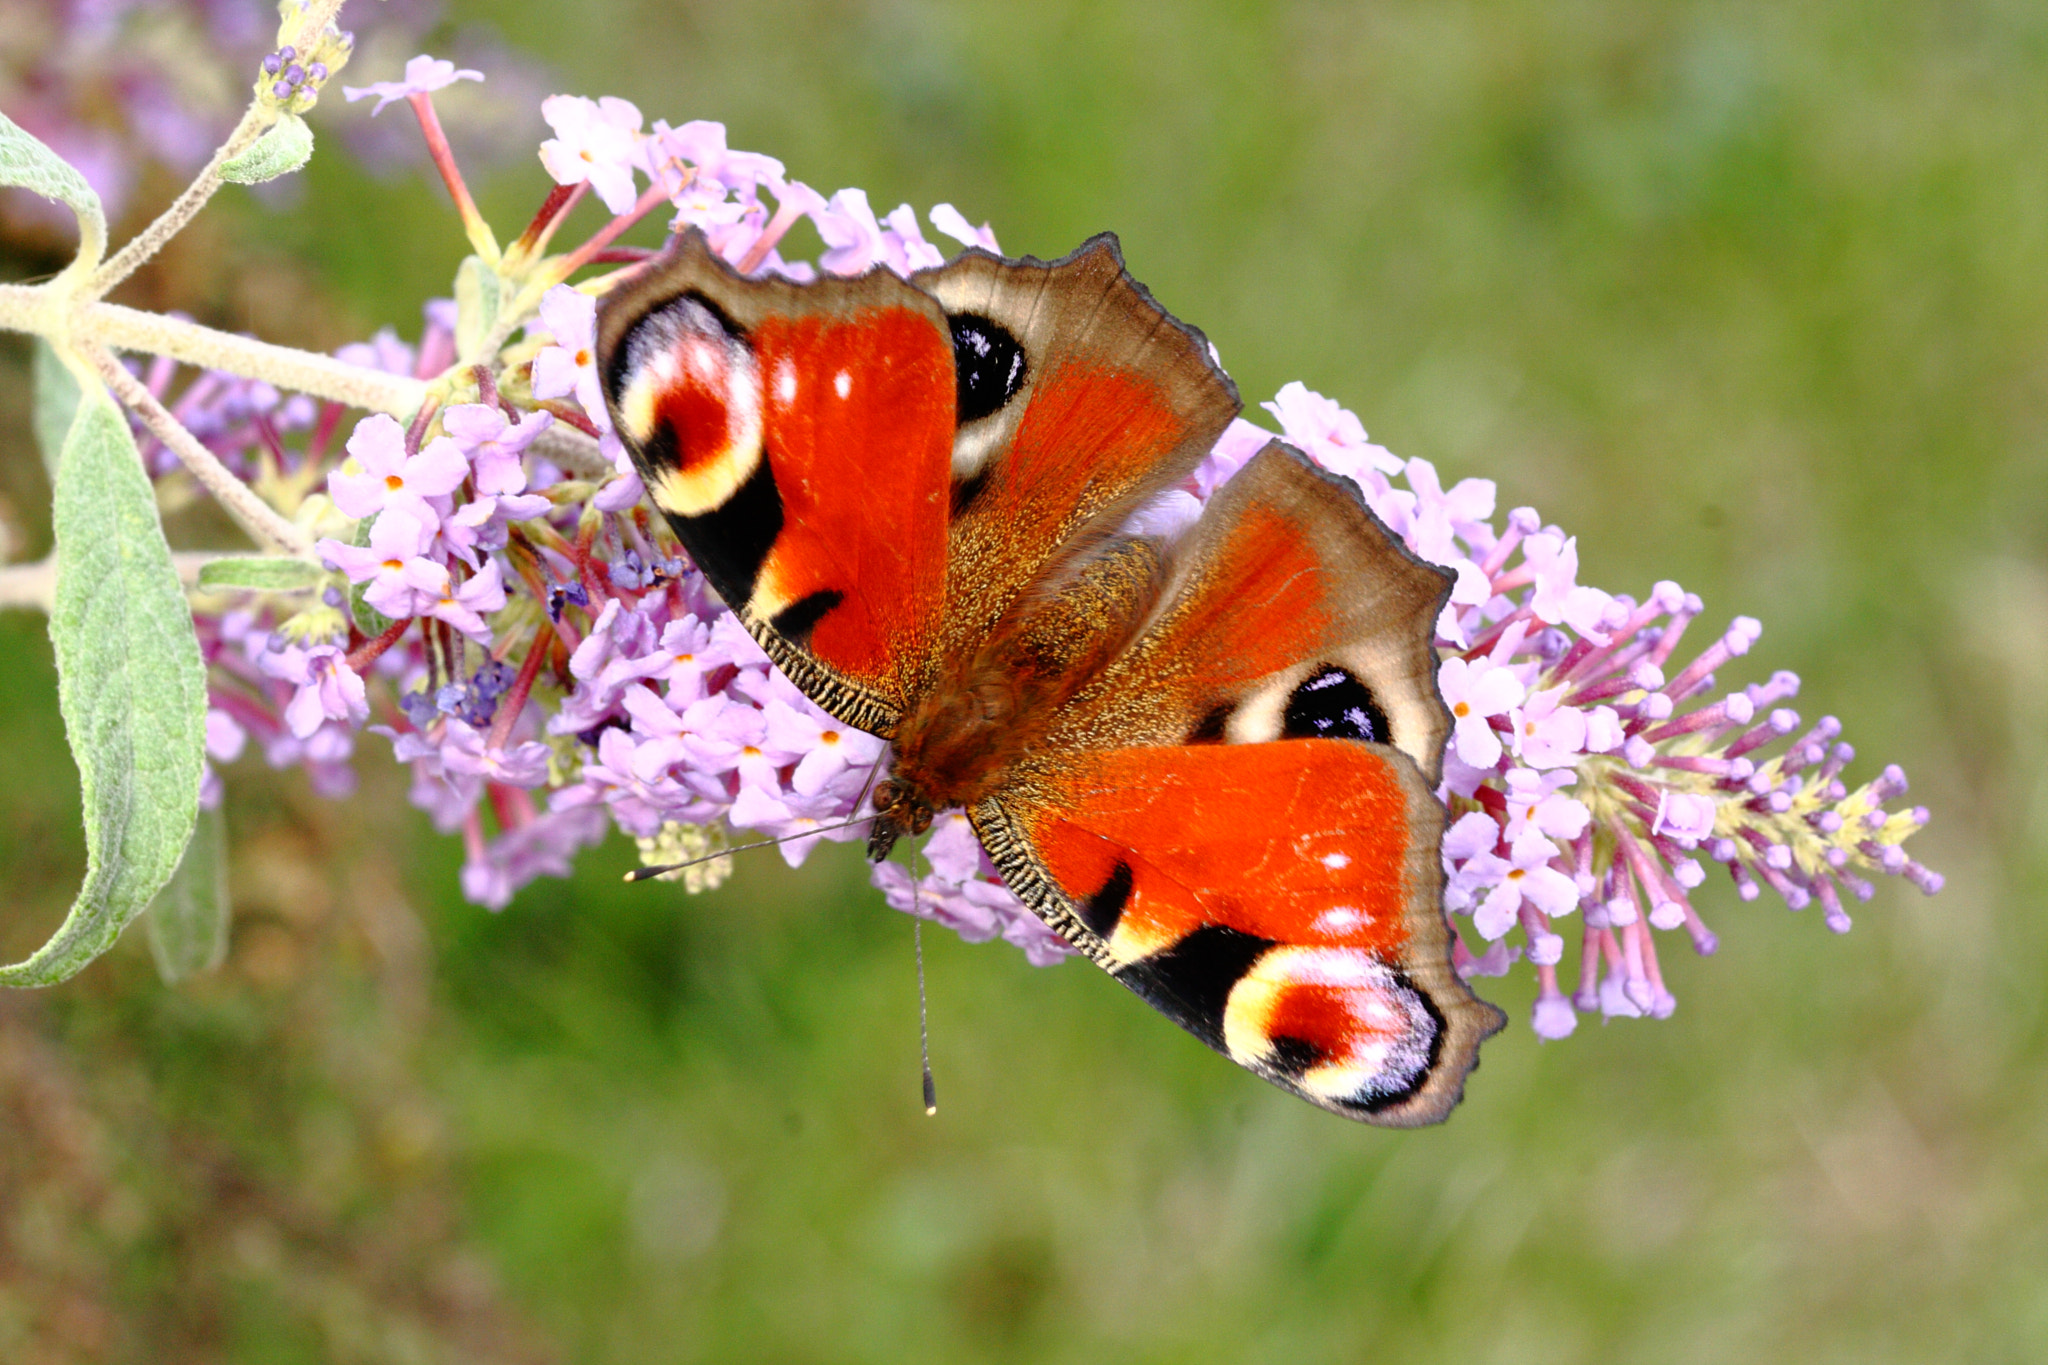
(1191, 980)
(660, 450)
(1438, 1027)
(1102, 910)
(988, 365)
(794, 621)
(731, 540)
(1209, 730)
(1334, 704)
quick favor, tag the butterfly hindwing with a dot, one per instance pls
(1289, 612)
(1280, 901)
(798, 438)
(1236, 821)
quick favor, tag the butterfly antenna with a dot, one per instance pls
(641, 874)
(924, 1032)
(874, 770)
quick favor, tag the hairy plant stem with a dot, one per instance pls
(24, 308)
(146, 243)
(257, 517)
(573, 451)
(34, 586)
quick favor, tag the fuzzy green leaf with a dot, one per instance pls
(56, 391)
(261, 573)
(284, 147)
(130, 686)
(188, 920)
(26, 162)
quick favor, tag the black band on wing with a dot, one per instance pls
(1210, 728)
(1334, 704)
(1191, 980)
(795, 620)
(1102, 910)
(731, 540)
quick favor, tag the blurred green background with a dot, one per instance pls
(1749, 295)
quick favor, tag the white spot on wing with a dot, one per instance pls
(1336, 862)
(842, 383)
(1340, 920)
(785, 382)
(705, 358)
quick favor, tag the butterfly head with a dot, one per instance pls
(898, 811)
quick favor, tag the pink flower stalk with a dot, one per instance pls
(558, 668)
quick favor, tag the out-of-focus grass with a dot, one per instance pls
(1751, 296)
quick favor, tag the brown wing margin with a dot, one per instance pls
(1080, 397)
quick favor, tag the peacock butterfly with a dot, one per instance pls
(1207, 763)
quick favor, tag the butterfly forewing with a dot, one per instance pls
(799, 440)
(1079, 397)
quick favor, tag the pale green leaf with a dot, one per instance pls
(26, 162)
(56, 390)
(130, 686)
(479, 297)
(284, 147)
(261, 573)
(188, 920)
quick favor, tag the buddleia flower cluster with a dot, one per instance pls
(494, 601)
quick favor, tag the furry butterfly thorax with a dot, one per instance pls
(1207, 761)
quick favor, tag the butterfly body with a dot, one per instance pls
(962, 741)
(1208, 760)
